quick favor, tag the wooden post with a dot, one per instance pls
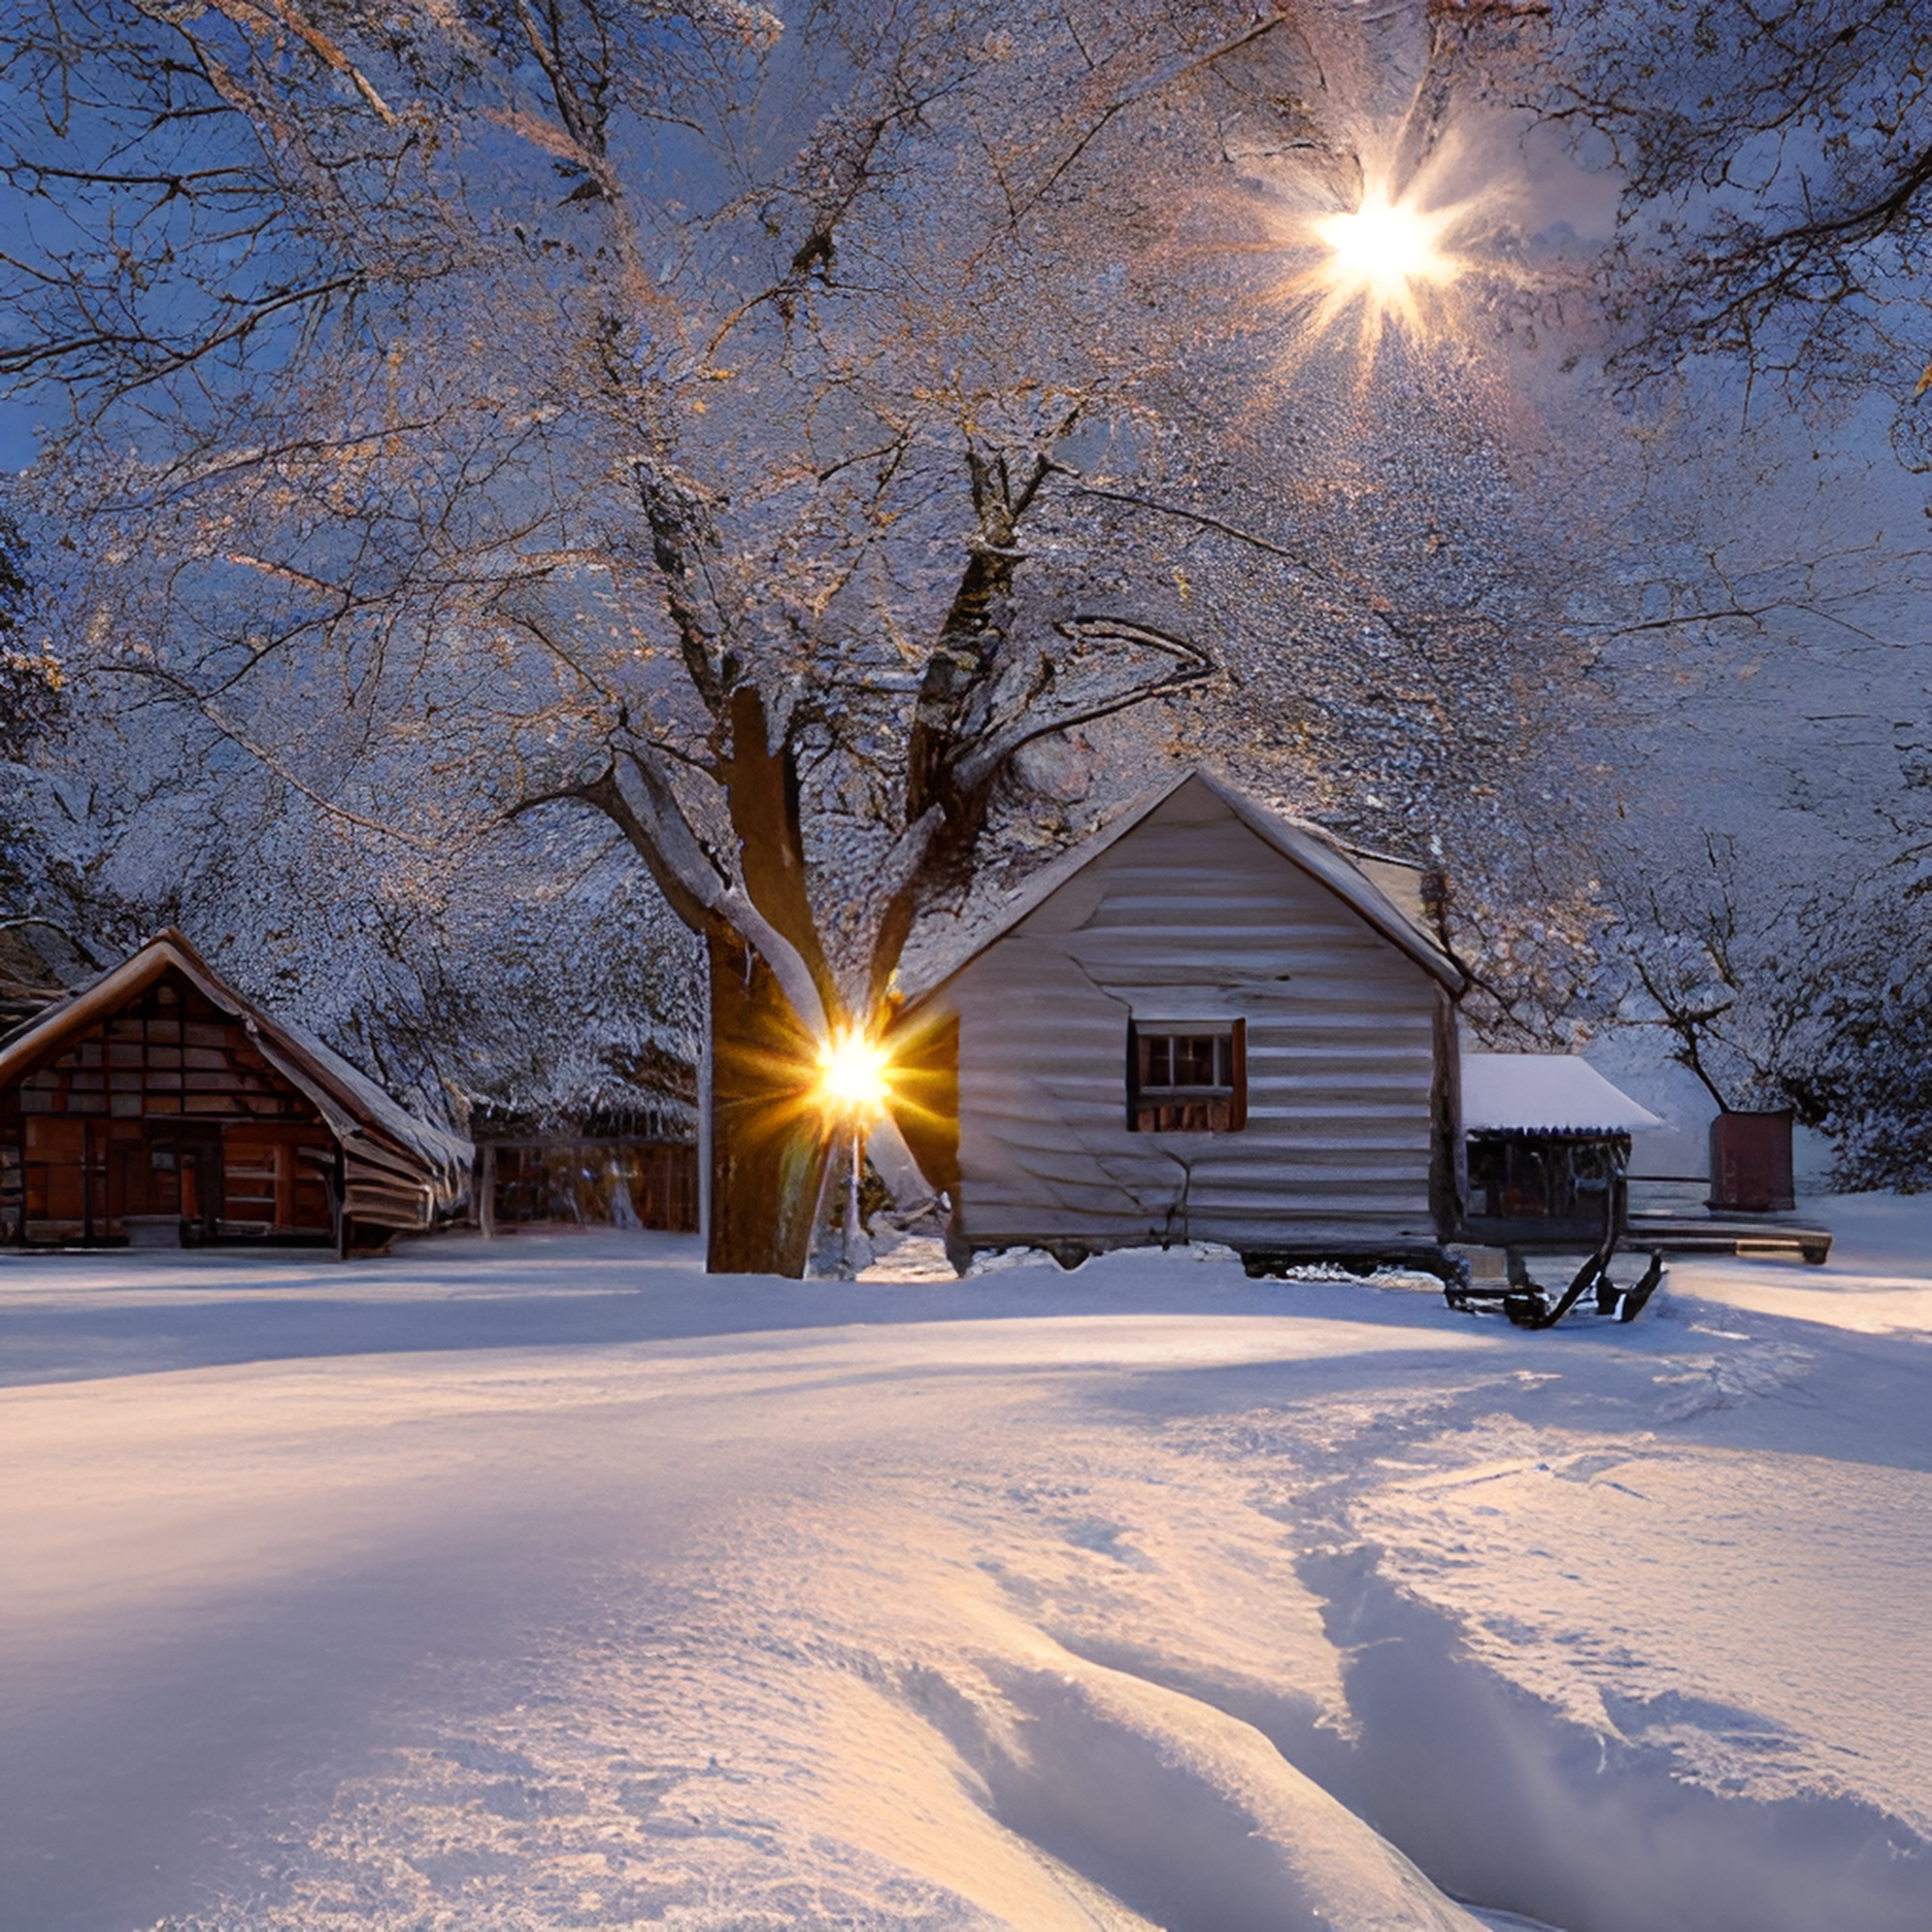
(1448, 1150)
(485, 1184)
(284, 1157)
(339, 1202)
(704, 1161)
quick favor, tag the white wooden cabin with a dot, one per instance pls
(1205, 1023)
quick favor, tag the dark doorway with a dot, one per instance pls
(186, 1161)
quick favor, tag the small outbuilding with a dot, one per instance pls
(1205, 1023)
(633, 1167)
(1548, 1150)
(157, 1107)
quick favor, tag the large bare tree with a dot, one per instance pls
(399, 381)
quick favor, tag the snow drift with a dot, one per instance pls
(548, 1583)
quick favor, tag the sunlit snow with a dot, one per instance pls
(547, 1582)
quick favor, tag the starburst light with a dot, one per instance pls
(1391, 259)
(853, 1075)
(1385, 246)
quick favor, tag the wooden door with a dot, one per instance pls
(200, 1174)
(55, 1179)
(143, 1178)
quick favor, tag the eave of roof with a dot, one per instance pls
(354, 1108)
(1304, 846)
(1544, 1093)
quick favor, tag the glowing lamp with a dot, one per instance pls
(852, 1074)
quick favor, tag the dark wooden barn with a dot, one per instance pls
(157, 1107)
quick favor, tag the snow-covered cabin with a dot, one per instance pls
(157, 1105)
(1204, 1023)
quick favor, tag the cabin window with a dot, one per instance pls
(1187, 1077)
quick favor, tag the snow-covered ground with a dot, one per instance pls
(547, 1583)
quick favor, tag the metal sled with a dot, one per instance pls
(1530, 1304)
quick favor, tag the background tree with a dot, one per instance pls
(1810, 1000)
(1740, 978)
(1869, 1083)
(30, 676)
(32, 686)
(1765, 290)
(1776, 188)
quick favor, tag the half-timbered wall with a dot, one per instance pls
(166, 1108)
(1191, 917)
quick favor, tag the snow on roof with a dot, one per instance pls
(1314, 851)
(449, 1153)
(1545, 1092)
(927, 967)
(352, 1104)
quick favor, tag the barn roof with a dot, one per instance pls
(354, 1108)
(1544, 1093)
(927, 969)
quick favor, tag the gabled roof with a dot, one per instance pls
(1302, 846)
(357, 1110)
(1544, 1093)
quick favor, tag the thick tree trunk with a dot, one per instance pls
(769, 1144)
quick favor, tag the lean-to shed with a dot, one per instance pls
(1548, 1150)
(604, 1166)
(157, 1105)
(1204, 1023)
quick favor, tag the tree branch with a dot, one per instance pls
(1082, 488)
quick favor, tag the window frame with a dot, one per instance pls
(1219, 1108)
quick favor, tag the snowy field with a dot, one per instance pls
(546, 1583)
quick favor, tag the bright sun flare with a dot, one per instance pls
(1384, 262)
(853, 1075)
(1387, 245)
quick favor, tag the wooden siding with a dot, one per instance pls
(249, 1126)
(1193, 917)
(166, 1108)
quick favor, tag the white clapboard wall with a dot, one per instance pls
(1194, 914)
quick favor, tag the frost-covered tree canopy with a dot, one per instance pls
(1775, 164)
(498, 455)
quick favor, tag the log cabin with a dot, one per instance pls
(158, 1107)
(1206, 1022)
